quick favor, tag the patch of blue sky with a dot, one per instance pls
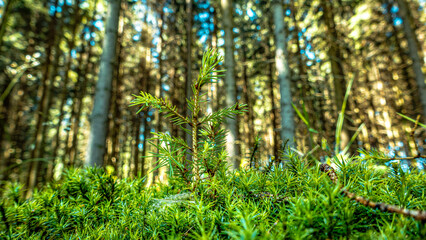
(205, 25)
(251, 13)
(203, 5)
(87, 36)
(236, 30)
(152, 19)
(155, 40)
(73, 53)
(140, 145)
(310, 55)
(136, 37)
(287, 12)
(69, 2)
(211, 26)
(99, 24)
(137, 26)
(166, 87)
(220, 42)
(51, 10)
(167, 10)
(203, 16)
(155, 54)
(203, 38)
(397, 21)
(394, 9)
(1, 3)
(239, 11)
(92, 43)
(84, 5)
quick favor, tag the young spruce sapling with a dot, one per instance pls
(208, 138)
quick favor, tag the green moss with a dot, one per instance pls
(248, 204)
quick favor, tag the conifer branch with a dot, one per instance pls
(163, 105)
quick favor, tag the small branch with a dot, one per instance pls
(416, 214)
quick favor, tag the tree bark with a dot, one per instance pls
(99, 117)
(413, 49)
(230, 84)
(284, 77)
(336, 61)
(159, 90)
(42, 114)
(188, 82)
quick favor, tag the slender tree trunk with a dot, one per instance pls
(274, 114)
(284, 78)
(413, 49)
(230, 84)
(42, 115)
(64, 85)
(135, 144)
(188, 82)
(306, 89)
(159, 90)
(336, 61)
(81, 94)
(99, 117)
(116, 120)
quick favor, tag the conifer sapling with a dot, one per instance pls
(208, 138)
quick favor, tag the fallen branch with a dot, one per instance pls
(416, 214)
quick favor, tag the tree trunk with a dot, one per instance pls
(116, 121)
(42, 114)
(284, 78)
(82, 93)
(71, 44)
(159, 90)
(336, 61)
(230, 84)
(99, 117)
(413, 49)
(188, 82)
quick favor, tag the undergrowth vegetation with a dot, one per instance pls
(292, 202)
(293, 197)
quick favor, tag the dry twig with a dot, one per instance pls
(384, 207)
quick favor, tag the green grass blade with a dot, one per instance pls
(341, 118)
(411, 120)
(300, 115)
(353, 138)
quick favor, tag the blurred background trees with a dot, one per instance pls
(275, 52)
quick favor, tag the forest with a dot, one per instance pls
(204, 119)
